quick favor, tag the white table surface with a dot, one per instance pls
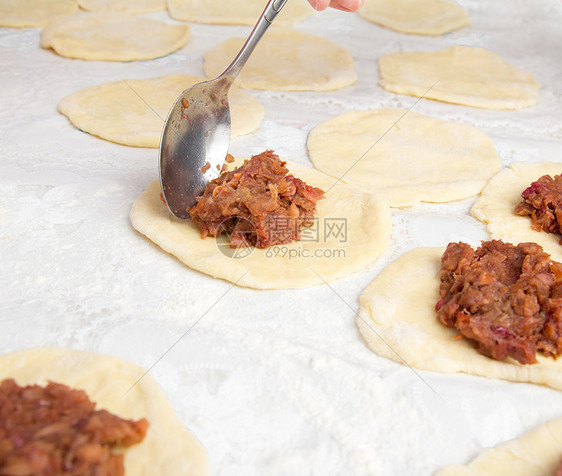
(271, 382)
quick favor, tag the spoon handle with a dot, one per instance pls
(266, 18)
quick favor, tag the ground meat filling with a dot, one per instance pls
(507, 299)
(257, 204)
(56, 431)
(542, 201)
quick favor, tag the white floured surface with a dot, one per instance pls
(271, 382)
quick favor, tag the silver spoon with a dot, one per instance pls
(196, 134)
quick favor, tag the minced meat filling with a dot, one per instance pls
(507, 299)
(542, 201)
(56, 431)
(258, 204)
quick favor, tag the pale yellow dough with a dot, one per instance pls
(407, 156)
(398, 321)
(498, 199)
(132, 112)
(286, 60)
(236, 12)
(33, 13)
(321, 256)
(422, 17)
(168, 448)
(112, 36)
(131, 6)
(536, 453)
(459, 75)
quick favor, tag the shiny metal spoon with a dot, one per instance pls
(196, 134)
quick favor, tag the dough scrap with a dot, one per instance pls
(133, 112)
(168, 448)
(235, 12)
(286, 60)
(498, 199)
(406, 156)
(459, 75)
(112, 36)
(398, 321)
(536, 453)
(33, 13)
(131, 6)
(352, 230)
(421, 17)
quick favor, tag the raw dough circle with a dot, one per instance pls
(33, 13)
(286, 60)
(133, 112)
(498, 200)
(535, 453)
(168, 448)
(421, 17)
(235, 12)
(131, 6)
(112, 36)
(398, 321)
(352, 230)
(406, 156)
(459, 75)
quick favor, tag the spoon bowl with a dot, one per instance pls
(196, 135)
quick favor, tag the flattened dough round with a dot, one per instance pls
(168, 448)
(363, 221)
(131, 6)
(421, 17)
(286, 60)
(536, 453)
(112, 36)
(33, 13)
(133, 112)
(498, 200)
(398, 321)
(235, 12)
(459, 75)
(406, 156)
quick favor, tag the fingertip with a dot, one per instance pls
(347, 5)
(319, 4)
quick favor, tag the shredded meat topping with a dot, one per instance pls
(56, 431)
(258, 204)
(542, 201)
(507, 299)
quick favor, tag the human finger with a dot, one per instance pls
(319, 4)
(346, 5)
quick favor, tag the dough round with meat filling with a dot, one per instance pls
(114, 385)
(459, 75)
(398, 321)
(33, 13)
(408, 157)
(286, 60)
(132, 112)
(497, 202)
(351, 231)
(422, 17)
(112, 36)
(535, 453)
(131, 6)
(235, 12)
